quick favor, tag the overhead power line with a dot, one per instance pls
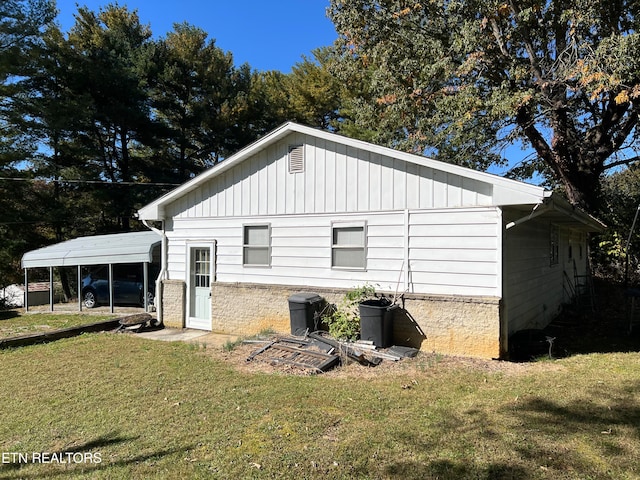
(92, 182)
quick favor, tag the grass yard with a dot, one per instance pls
(13, 324)
(152, 409)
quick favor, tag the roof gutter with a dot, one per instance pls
(538, 209)
(558, 204)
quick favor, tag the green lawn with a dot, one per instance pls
(13, 324)
(152, 409)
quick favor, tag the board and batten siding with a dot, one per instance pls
(336, 179)
(449, 252)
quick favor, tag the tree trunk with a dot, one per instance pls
(583, 190)
(577, 169)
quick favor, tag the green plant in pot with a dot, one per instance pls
(343, 320)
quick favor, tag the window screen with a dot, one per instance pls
(257, 245)
(348, 247)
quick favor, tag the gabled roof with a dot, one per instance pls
(133, 247)
(505, 191)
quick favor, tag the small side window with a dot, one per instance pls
(348, 246)
(256, 250)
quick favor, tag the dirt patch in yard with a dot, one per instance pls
(422, 363)
(603, 329)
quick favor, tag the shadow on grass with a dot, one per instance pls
(449, 470)
(8, 314)
(592, 437)
(546, 414)
(55, 469)
(580, 329)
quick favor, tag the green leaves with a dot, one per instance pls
(445, 78)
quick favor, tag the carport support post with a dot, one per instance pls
(111, 287)
(79, 288)
(26, 289)
(145, 289)
(51, 288)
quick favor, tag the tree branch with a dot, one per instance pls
(619, 163)
(528, 44)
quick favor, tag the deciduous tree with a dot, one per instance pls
(461, 79)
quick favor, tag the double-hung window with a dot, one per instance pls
(348, 249)
(256, 248)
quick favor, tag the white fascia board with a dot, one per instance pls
(155, 209)
(507, 191)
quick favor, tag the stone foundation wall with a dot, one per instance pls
(468, 326)
(173, 303)
(247, 309)
(445, 324)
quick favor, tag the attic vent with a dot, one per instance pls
(296, 158)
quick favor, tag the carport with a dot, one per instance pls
(110, 250)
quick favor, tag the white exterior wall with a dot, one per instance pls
(450, 252)
(428, 231)
(337, 179)
(536, 289)
(456, 251)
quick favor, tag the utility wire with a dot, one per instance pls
(95, 182)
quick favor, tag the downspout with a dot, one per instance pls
(503, 311)
(163, 267)
(407, 268)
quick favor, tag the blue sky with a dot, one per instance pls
(266, 34)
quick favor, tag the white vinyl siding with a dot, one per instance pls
(536, 290)
(455, 252)
(450, 252)
(336, 179)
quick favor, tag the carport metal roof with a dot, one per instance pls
(133, 247)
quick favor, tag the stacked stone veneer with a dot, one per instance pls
(444, 324)
(173, 303)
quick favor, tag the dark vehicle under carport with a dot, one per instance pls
(114, 253)
(128, 286)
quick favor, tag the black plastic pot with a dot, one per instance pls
(376, 322)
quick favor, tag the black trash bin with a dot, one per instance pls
(302, 309)
(376, 322)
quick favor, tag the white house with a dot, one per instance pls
(477, 256)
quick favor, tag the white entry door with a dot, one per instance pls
(200, 273)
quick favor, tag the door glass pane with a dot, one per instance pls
(201, 267)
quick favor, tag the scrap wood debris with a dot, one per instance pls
(319, 353)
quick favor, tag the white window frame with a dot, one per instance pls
(342, 225)
(246, 246)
